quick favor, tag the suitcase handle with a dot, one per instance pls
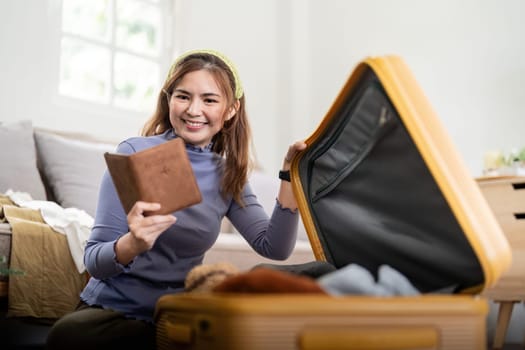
(369, 338)
(179, 333)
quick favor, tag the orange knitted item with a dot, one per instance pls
(264, 280)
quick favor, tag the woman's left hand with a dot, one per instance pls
(295, 148)
(286, 196)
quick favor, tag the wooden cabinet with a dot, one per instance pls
(506, 197)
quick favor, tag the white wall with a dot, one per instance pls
(293, 57)
(249, 33)
(468, 56)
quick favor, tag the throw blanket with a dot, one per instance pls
(74, 223)
(50, 283)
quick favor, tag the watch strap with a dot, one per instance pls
(284, 175)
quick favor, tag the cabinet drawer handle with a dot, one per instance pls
(519, 186)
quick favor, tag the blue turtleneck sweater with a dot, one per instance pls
(134, 289)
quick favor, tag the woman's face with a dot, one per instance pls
(197, 107)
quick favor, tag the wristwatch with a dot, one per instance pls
(284, 175)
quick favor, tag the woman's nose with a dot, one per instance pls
(195, 107)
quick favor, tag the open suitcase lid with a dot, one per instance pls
(380, 182)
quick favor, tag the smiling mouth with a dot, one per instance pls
(193, 124)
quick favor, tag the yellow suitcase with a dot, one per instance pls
(379, 183)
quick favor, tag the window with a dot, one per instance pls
(111, 51)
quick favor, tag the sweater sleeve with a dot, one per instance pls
(272, 236)
(110, 224)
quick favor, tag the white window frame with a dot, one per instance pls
(107, 110)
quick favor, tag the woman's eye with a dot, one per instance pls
(181, 97)
(210, 100)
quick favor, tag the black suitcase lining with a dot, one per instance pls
(374, 201)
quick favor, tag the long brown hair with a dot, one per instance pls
(233, 141)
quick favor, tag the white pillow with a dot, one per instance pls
(18, 165)
(72, 168)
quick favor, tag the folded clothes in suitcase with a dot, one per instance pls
(380, 183)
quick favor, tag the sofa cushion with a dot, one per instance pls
(18, 160)
(72, 168)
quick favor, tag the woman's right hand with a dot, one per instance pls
(143, 231)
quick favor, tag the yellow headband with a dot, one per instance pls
(238, 86)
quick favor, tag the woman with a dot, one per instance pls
(133, 259)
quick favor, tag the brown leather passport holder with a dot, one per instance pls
(161, 174)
